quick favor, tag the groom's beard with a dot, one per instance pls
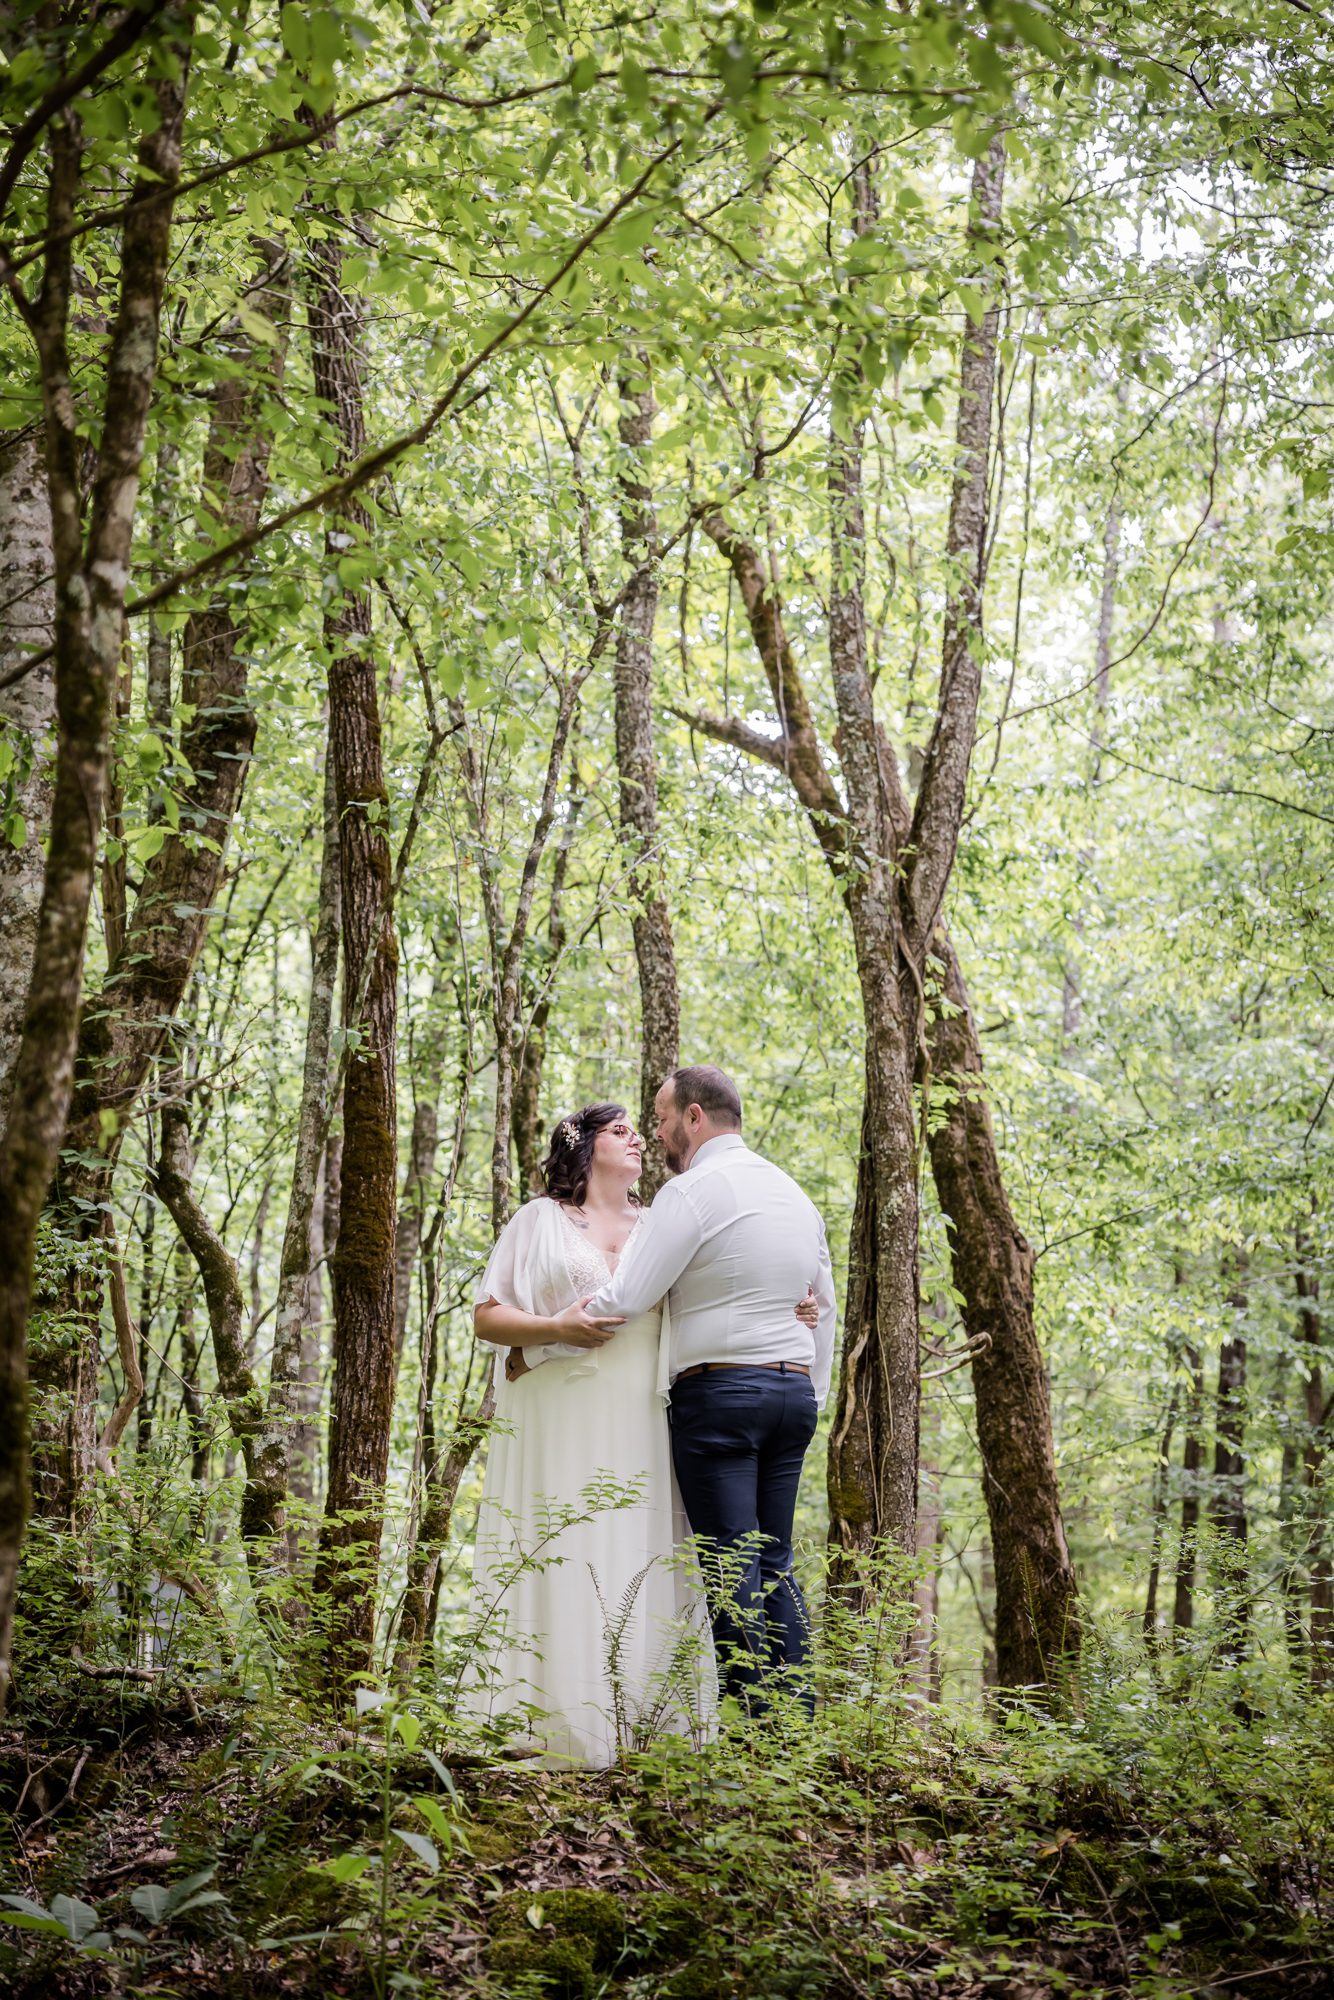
(673, 1151)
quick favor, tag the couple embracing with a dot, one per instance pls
(659, 1359)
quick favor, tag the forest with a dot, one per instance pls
(549, 541)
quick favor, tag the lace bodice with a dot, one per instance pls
(587, 1266)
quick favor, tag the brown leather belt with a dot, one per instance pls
(781, 1367)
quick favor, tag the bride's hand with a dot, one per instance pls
(808, 1309)
(579, 1329)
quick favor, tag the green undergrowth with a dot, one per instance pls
(1166, 1840)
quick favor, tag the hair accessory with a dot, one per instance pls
(569, 1131)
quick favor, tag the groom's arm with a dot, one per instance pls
(825, 1298)
(669, 1236)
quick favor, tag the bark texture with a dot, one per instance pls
(91, 571)
(272, 1466)
(1320, 1567)
(363, 1261)
(28, 710)
(637, 768)
(1037, 1609)
(1192, 1462)
(1228, 1504)
(154, 953)
(147, 979)
(224, 1299)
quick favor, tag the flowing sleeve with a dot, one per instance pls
(509, 1275)
(521, 1272)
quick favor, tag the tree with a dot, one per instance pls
(91, 571)
(636, 763)
(363, 1260)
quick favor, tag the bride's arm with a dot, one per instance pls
(506, 1326)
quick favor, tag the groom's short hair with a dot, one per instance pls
(712, 1089)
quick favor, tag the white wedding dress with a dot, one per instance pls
(589, 1635)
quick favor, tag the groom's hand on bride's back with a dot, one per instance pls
(581, 1329)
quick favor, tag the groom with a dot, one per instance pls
(733, 1241)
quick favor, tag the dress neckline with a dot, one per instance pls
(588, 1243)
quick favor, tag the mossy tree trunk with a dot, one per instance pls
(157, 947)
(363, 1260)
(637, 764)
(91, 569)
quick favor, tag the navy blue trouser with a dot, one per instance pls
(738, 1438)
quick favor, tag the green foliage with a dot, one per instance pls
(1141, 904)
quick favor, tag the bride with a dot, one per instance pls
(590, 1626)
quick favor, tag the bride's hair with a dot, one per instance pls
(569, 1159)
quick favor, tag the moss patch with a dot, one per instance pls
(589, 1917)
(559, 1966)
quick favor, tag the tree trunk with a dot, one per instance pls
(29, 712)
(1037, 1612)
(637, 767)
(893, 908)
(91, 573)
(268, 1491)
(363, 1262)
(223, 1297)
(529, 1118)
(1228, 1505)
(1192, 1465)
(146, 981)
(192, 1402)
(1162, 1468)
(1320, 1631)
(121, 1036)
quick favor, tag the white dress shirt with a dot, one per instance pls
(732, 1243)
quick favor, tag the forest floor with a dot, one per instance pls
(188, 1841)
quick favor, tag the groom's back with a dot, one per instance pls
(762, 1244)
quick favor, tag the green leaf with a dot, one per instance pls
(326, 37)
(150, 1900)
(424, 1849)
(25, 1920)
(445, 1775)
(973, 303)
(260, 329)
(26, 1915)
(183, 1892)
(635, 229)
(296, 34)
(583, 73)
(409, 1728)
(436, 1818)
(197, 1902)
(634, 81)
(342, 1867)
(78, 1918)
(1034, 27)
